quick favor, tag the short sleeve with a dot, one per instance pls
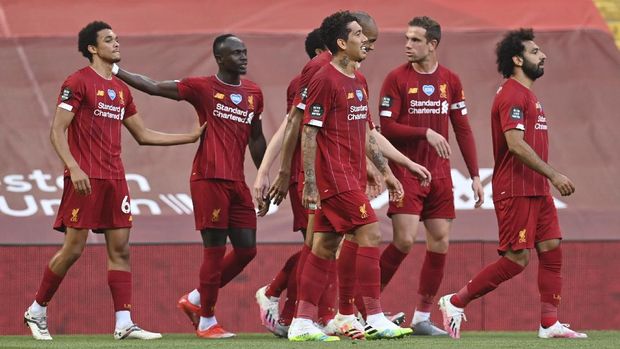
(71, 94)
(189, 89)
(130, 106)
(512, 112)
(319, 101)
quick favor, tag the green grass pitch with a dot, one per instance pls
(477, 340)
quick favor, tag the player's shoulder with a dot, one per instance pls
(511, 90)
(78, 77)
(316, 63)
(400, 71)
(250, 86)
(447, 73)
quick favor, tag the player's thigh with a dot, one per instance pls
(438, 228)
(325, 244)
(439, 203)
(548, 232)
(516, 221)
(405, 226)
(75, 240)
(368, 235)
(211, 200)
(242, 214)
(117, 241)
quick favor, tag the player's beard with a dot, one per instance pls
(532, 71)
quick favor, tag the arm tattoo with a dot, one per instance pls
(308, 144)
(375, 155)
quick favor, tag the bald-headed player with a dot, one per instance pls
(223, 207)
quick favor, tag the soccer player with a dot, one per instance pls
(268, 296)
(223, 207)
(291, 143)
(526, 215)
(91, 108)
(335, 143)
(418, 101)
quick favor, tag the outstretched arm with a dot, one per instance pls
(145, 84)
(280, 185)
(310, 198)
(389, 151)
(519, 148)
(146, 136)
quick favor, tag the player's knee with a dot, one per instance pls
(245, 255)
(119, 254)
(404, 243)
(521, 257)
(438, 245)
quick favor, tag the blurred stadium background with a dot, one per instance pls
(169, 40)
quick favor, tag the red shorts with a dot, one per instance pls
(344, 212)
(433, 201)
(526, 220)
(300, 214)
(222, 204)
(107, 206)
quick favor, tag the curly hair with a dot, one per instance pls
(510, 46)
(313, 42)
(88, 36)
(335, 27)
(433, 29)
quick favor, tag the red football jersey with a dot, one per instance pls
(307, 74)
(338, 104)
(411, 102)
(516, 107)
(229, 111)
(94, 135)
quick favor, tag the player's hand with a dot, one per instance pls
(197, 131)
(80, 181)
(279, 188)
(478, 190)
(439, 143)
(395, 188)
(261, 188)
(310, 198)
(563, 184)
(421, 172)
(263, 207)
(374, 187)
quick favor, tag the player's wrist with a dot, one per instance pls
(115, 68)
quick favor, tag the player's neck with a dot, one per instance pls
(425, 67)
(102, 68)
(521, 78)
(229, 78)
(343, 64)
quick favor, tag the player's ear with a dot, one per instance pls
(342, 43)
(92, 49)
(517, 60)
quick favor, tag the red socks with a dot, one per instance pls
(369, 278)
(235, 261)
(347, 277)
(486, 281)
(430, 279)
(550, 285)
(327, 302)
(391, 258)
(210, 278)
(47, 288)
(305, 251)
(312, 285)
(120, 287)
(280, 282)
